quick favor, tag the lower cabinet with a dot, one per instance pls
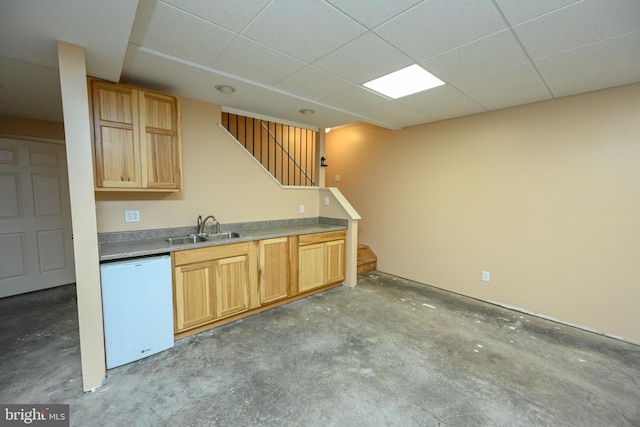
(211, 283)
(273, 273)
(194, 295)
(218, 284)
(321, 259)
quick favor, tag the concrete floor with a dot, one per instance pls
(388, 353)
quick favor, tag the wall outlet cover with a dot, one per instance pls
(486, 276)
(132, 216)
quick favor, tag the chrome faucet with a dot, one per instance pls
(202, 223)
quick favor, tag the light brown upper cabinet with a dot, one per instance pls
(136, 139)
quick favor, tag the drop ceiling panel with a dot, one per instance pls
(144, 67)
(506, 88)
(304, 29)
(372, 13)
(251, 60)
(355, 99)
(363, 59)
(518, 11)
(486, 55)
(433, 27)
(588, 81)
(232, 15)
(324, 84)
(579, 24)
(198, 40)
(398, 114)
(267, 49)
(442, 102)
(612, 62)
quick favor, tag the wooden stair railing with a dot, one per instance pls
(367, 260)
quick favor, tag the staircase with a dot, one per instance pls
(367, 260)
(287, 152)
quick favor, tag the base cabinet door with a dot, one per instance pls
(335, 253)
(210, 283)
(273, 269)
(232, 291)
(311, 267)
(194, 295)
(321, 259)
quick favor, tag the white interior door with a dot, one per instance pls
(36, 251)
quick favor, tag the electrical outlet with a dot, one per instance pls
(486, 276)
(301, 208)
(131, 216)
(337, 177)
(326, 200)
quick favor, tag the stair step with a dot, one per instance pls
(367, 260)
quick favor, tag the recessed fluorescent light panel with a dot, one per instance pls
(406, 81)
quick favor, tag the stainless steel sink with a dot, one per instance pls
(196, 238)
(184, 240)
(224, 236)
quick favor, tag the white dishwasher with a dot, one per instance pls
(137, 308)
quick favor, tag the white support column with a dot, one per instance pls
(77, 129)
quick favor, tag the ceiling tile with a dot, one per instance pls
(617, 75)
(232, 15)
(518, 11)
(363, 59)
(611, 62)
(372, 13)
(396, 114)
(486, 55)
(301, 28)
(313, 83)
(442, 102)
(253, 61)
(506, 88)
(579, 24)
(198, 40)
(145, 67)
(355, 99)
(436, 26)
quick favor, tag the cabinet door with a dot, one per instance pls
(335, 261)
(160, 141)
(311, 268)
(194, 294)
(274, 269)
(232, 285)
(115, 124)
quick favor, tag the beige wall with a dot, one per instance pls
(219, 179)
(544, 196)
(13, 126)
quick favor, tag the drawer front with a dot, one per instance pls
(208, 253)
(310, 239)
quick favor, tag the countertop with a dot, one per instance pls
(111, 250)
